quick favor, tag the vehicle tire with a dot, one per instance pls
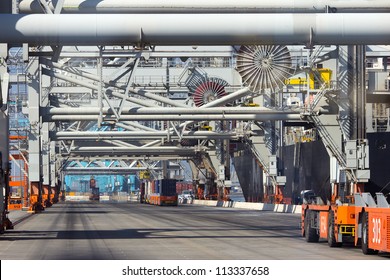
(311, 234)
(365, 230)
(331, 234)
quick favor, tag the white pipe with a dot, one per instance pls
(243, 117)
(119, 156)
(161, 111)
(207, 6)
(196, 29)
(218, 102)
(116, 168)
(97, 78)
(227, 98)
(94, 135)
(86, 84)
(135, 150)
(134, 126)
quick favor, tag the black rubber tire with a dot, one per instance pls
(331, 234)
(311, 234)
(47, 203)
(8, 224)
(365, 231)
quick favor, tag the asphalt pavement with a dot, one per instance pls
(133, 231)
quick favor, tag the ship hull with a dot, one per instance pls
(307, 167)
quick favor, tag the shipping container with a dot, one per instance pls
(184, 186)
(164, 192)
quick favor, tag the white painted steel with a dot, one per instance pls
(227, 98)
(184, 117)
(163, 111)
(218, 102)
(93, 135)
(206, 6)
(103, 169)
(136, 150)
(196, 29)
(87, 84)
(96, 78)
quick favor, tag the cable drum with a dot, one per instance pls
(264, 66)
(210, 89)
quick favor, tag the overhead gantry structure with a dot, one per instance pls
(91, 100)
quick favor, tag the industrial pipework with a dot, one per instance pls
(196, 29)
(206, 6)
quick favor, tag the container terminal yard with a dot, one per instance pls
(184, 130)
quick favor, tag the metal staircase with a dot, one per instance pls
(263, 164)
(319, 95)
(328, 141)
(326, 137)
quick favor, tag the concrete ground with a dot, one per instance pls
(125, 231)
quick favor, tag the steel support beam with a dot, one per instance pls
(87, 84)
(163, 111)
(133, 135)
(34, 137)
(122, 156)
(135, 150)
(113, 169)
(264, 116)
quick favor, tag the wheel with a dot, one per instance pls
(311, 234)
(365, 230)
(331, 233)
(8, 224)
